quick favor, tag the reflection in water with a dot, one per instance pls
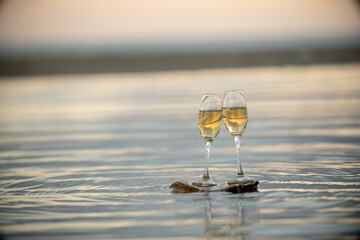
(232, 224)
(92, 156)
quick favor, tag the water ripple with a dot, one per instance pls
(93, 159)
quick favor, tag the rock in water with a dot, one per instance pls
(247, 186)
(184, 187)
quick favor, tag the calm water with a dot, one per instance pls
(92, 156)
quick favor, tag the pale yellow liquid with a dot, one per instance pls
(235, 120)
(209, 124)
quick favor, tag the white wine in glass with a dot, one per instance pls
(209, 122)
(235, 115)
(235, 120)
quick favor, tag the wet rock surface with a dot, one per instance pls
(242, 187)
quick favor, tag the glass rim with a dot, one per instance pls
(230, 91)
(211, 94)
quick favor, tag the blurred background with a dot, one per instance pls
(46, 37)
(98, 116)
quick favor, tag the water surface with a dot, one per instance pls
(92, 156)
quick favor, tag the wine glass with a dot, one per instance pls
(234, 111)
(209, 122)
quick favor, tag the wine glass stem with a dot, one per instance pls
(207, 156)
(237, 145)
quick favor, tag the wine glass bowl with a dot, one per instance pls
(234, 109)
(209, 123)
(235, 120)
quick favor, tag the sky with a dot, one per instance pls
(139, 23)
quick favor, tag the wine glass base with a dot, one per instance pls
(204, 182)
(240, 179)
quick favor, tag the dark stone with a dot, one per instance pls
(242, 188)
(184, 187)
